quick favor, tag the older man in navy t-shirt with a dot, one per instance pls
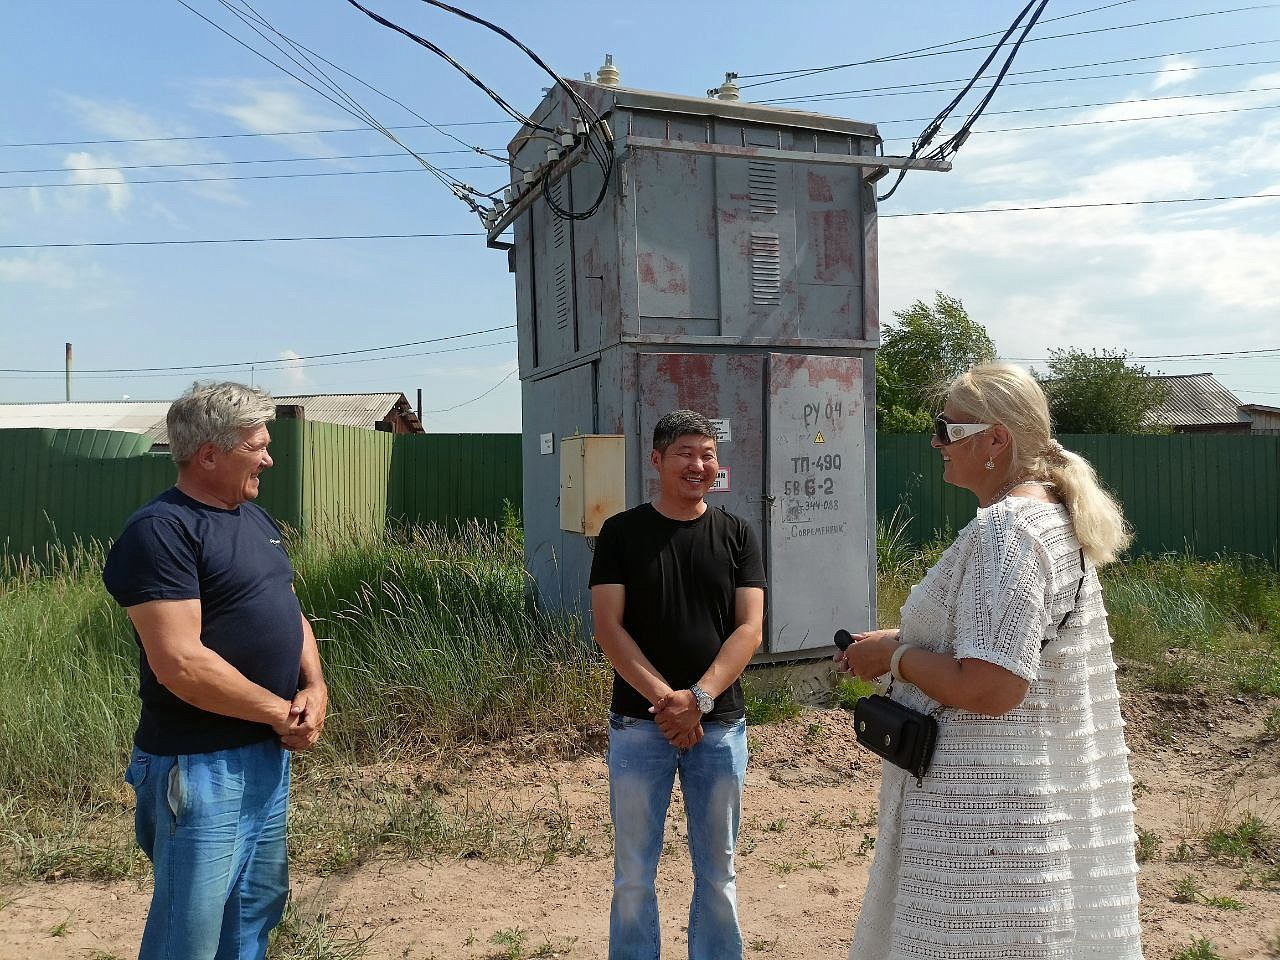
(230, 682)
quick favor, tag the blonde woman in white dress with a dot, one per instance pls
(1019, 842)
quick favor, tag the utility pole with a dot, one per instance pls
(68, 373)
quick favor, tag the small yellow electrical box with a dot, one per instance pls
(592, 482)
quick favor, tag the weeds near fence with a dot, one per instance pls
(428, 643)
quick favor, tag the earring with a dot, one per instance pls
(990, 464)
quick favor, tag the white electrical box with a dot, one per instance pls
(592, 482)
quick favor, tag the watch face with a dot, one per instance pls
(705, 703)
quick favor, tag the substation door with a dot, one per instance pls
(793, 463)
(818, 540)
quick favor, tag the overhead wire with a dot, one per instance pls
(934, 50)
(347, 104)
(189, 368)
(934, 126)
(595, 137)
(481, 396)
(416, 236)
(246, 176)
(439, 128)
(904, 89)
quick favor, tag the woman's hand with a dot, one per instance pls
(869, 654)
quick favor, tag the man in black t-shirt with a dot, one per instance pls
(677, 596)
(230, 682)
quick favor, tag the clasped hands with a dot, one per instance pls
(302, 727)
(679, 718)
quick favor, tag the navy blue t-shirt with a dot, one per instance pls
(234, 563)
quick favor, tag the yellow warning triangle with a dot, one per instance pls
(818, 439)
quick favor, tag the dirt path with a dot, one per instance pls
(804, 855)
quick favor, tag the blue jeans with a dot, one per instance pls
(642, 768)
(213, 826)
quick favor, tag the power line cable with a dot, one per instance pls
(243, 136)
(282, 369)
(494, 166)
(416, 236)
(933, 51)
(479, 397)
(905, 54)
(451, 183)
(225, 163)
(186, 243)
(252, 363)
(1079, 206)
(906, 88)
(934, 126)
(247, 176)
(596, 137)
(386, 96)
(1091, 123)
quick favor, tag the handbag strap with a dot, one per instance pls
(1074, 603)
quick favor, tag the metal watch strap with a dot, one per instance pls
(706, 702)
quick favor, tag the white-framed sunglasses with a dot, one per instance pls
(948, 432)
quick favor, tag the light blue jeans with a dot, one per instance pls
(642, 769)
(213, 826)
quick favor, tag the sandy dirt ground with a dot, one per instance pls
(809, 820)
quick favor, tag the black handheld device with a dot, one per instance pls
(842, 639)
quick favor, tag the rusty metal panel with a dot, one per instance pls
(675, 256)
(820, 546)
(720, 386)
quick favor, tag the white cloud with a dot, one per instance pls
(295, 376)
(41, 272)
(85, 168)
(153, 141)
(1173, 71)
(267, 108)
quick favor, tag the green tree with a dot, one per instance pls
(926, 346)
(1100, 392)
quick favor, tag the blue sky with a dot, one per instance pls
(1189, 278)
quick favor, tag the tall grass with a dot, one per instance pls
(427, 640)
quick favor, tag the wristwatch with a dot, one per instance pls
(706, 702)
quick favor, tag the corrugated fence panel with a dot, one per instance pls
(346, 478)
(67, 485)
(1210, 494)
(436, 478)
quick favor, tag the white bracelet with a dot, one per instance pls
(896, 659)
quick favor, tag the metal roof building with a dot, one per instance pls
(1198, 403)
(126, 415)
(391, 412)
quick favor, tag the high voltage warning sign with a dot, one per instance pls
(818, 439)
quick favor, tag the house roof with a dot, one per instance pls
(1259, 408)
(348, 409)
(127, 415)
(1196, 400)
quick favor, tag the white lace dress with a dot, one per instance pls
(1020, 843)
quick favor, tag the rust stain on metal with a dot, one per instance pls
(832, 231)
(662, 274)
(819, 188)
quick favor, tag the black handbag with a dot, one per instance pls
(903, 736)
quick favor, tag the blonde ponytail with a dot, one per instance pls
(1007, 394)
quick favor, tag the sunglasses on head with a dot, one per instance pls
(948, 432)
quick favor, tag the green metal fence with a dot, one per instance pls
(57, 486)
(1207, 494)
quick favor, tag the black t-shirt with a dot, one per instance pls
(234, 563)
(680, 577)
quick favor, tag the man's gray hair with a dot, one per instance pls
(215, 413)
(680, 423)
